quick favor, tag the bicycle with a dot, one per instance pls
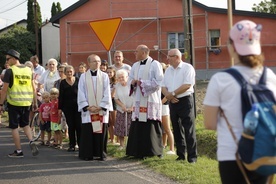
(34, 124)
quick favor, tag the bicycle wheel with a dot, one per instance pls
(35, 127)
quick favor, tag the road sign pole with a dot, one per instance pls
(109, 58)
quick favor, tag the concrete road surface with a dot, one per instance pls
(62, 167)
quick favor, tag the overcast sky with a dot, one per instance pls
(12, 11)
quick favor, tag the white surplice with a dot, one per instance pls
(105, 101)
(150, 87)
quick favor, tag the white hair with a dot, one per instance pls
(52, 60)
(121, 72)
(29, 64)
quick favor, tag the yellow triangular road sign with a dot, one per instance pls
(106, 30)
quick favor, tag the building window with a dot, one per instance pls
(176, 40)
(214, 41)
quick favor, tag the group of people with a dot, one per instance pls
(103, 101)
(136, 92)
(136, 102)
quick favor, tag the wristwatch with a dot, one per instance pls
(173, 93)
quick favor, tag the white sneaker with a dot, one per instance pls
(170, 153)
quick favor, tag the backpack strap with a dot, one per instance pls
(263, 77)
(240, 165)
(236, 74)
(239, 78)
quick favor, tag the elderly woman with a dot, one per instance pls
(124, 106)
(51, 75)
(68, 89)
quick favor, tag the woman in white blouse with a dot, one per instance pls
(124, 106)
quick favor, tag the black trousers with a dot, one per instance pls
(73, 120)
(230, 173)
(183, 122)
(92, 144)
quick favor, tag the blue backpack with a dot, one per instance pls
(257, 152)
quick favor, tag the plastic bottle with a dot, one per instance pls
(251, 120)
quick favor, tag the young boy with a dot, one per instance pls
(55, 118)
(44, 117)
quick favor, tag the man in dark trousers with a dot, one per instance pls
(19, 89)
(177, 86)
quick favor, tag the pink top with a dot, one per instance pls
(45, 110)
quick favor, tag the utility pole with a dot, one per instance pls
(188, 31)
(36, 28)
(189, 51)
(230, 22)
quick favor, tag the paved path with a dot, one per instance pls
(62, 167)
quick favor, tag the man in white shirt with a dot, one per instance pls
(177, 86)
(118, 62)
(38, 69)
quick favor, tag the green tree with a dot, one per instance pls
(59, 9)
(39, 17)
(53, 9)
(265, 6)
(56, 8)
(31, 17)
(17, 38)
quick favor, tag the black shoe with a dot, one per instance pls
(16, 155)
(102, 159)
(71, 149)
(192, 160)
(160, 156)
(85, 158)
(180, 158)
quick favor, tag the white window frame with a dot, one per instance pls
(177, 38)
(214, 39)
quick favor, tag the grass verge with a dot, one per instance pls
(204, 171)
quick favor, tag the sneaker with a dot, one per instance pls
(47, 143)
(16, 155)
(170, 152)
(34, 148)
(59, 146)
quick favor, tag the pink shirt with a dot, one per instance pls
(45, 110)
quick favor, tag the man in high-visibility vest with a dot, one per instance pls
(19, 90)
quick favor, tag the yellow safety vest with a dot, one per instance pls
(21, 92)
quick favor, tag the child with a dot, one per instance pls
(112, 78)
(44, 117)
(55, 119)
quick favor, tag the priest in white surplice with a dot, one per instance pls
(145, 136)
(94, 103)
